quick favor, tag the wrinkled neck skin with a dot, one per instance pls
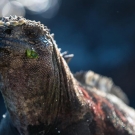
(35, 96)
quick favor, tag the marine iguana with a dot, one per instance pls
(41, 94)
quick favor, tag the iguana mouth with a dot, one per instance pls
(12, 41)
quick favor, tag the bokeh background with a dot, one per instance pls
(100, 33)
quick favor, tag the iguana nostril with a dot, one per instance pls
(8, 31)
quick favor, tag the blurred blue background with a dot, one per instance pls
(101, 34)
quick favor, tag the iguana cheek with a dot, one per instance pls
(16, 63)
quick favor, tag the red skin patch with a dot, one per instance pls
(108, 118)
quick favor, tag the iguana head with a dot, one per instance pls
(24, 40)
(37, 81)
(28, 68)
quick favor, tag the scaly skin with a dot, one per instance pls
(42, 96)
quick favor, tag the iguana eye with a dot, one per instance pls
(8, 31)
(31, 34)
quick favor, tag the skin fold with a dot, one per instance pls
(42, 96)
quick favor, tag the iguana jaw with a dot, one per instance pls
(38, 91)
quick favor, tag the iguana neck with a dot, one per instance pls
(34, 95)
